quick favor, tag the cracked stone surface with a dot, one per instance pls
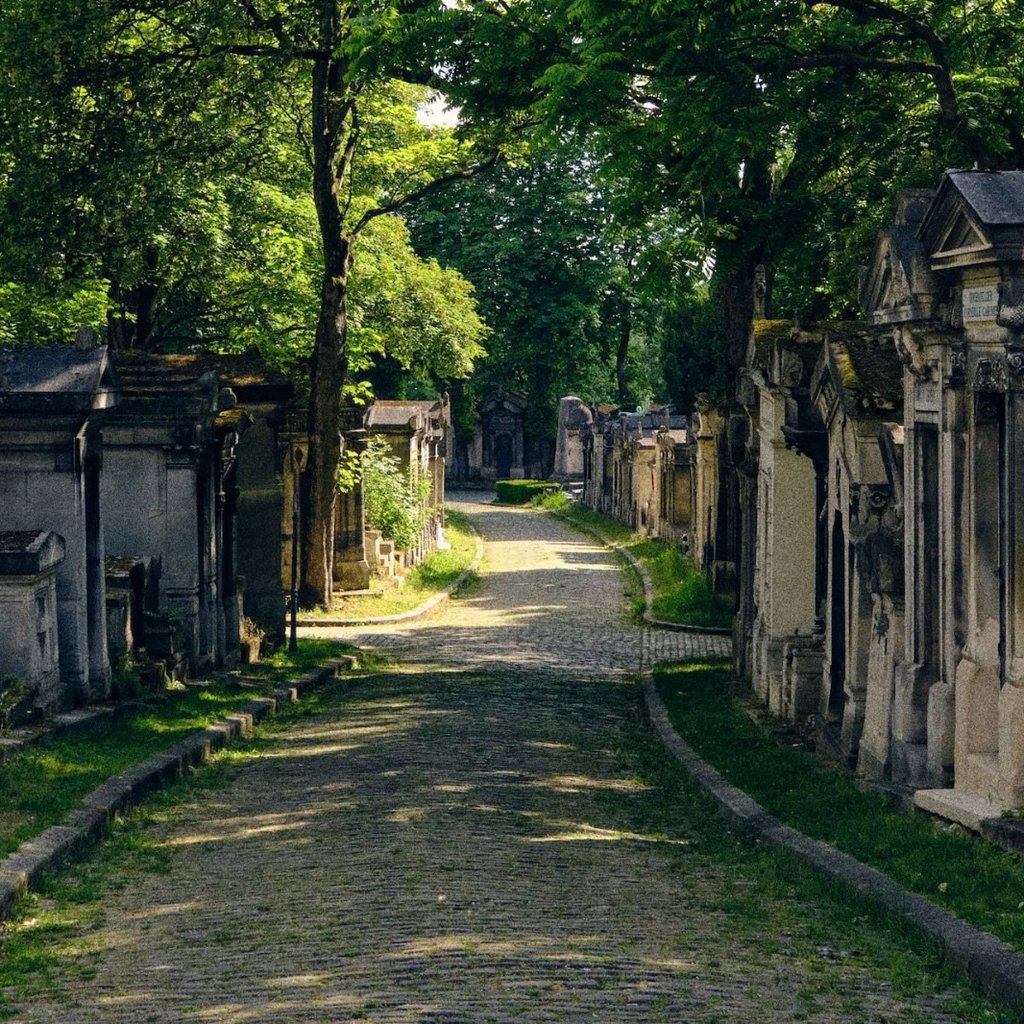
(465, 838)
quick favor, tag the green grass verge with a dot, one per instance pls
(43, 783)
(437, 572)
(681, 591)
(976, 880)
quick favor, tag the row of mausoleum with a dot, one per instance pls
(149, 512)
(863, 502)
(884, 596)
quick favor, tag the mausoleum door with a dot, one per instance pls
(927, 607)
(504, 455)
(989, 477)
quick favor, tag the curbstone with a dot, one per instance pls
(992, 964)
(645, 580)
(429, 605)
(89, 821)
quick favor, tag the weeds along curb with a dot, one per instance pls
(414, 613)
(89, 822)
(645, 579)
(994, 966)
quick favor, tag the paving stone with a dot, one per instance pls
(460, 843)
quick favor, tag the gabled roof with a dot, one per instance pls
(977, 218)
(385, 413)
(248, 374)
(898, 285)
(782, 352)
(55, 378)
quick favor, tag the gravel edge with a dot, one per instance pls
(87, 824)
(994, 966)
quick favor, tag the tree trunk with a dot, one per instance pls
(332, 146)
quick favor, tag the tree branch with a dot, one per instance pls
(430, 188)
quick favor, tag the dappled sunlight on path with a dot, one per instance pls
(464, 837)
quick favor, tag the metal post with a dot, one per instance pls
(294, 597)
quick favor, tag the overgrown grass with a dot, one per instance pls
(437, 572)
(977, 881)
(41, 784)
(681, 591)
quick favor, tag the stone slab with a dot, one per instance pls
(955, 805)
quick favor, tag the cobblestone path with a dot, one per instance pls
(552, 601)
(468, 841)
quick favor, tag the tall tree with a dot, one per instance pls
(744, 119)
(155, 100)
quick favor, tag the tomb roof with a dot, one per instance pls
(399, 412)
(246, 373)
(55, 377)
(28, 552)
(865, 367)
(764, 335)
(996, 197)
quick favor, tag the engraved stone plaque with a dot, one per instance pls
(981, 303)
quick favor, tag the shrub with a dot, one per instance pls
(392, 503)
(519, 492)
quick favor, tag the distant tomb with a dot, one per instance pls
(29, 658)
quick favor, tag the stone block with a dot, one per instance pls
(910, 764)
(941, 727)
(955, 805)
(910, 706)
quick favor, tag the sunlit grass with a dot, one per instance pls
(41, 784)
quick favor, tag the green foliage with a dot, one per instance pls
(393, 502)
(520, 492)
(551, 501)
(557, 281)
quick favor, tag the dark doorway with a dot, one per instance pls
(504, 455)
(837, 662)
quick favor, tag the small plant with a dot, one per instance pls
(126, 679)
(13, 693)
(551, 501)
(393, 504)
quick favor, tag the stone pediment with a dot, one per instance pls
(977, 218)
(507, 402)
(898, 285)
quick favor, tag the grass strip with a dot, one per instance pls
(436, 573)
(43, 783)
(681, 591)
(956, 869)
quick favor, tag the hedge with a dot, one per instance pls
(519, 492)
